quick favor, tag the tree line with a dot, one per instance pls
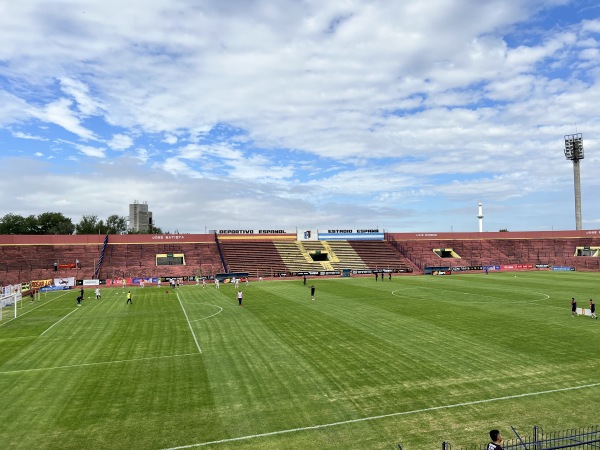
(58, 223)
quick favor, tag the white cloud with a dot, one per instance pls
(170, 139)
(91, 151)
(59, 113)
(80, 92)
(319, 102)
(21, 135)
(120, 142)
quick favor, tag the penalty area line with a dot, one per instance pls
(101, 363)
(384, 416)
(57, 322)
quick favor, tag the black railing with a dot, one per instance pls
(575, 438)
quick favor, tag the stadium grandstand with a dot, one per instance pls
(284, 254)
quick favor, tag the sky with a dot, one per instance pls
(301, 114)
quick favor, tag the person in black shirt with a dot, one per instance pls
(573, 307)
(496, 438)
(593, 309)
(312, 292)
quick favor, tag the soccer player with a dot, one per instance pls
(129, 298)
(79, 298)
(98, 293)
(573, 307)
(240, 296)
(593, 309)
(496, 442)
(312, 292)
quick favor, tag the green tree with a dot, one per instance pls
(54, 223)
(116, 224)
(151, 230)
(90, 224)
(12, 224)
(17, 224)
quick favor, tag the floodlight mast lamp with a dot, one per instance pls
(574, 152)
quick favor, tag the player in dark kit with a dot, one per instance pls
(593, 309)
(496, 438)
(573, 307)
(312, 292)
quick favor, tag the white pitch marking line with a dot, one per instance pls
(74, 366)
(189, 324)
(383, 416)
(212, 315)
(56, 323)
(545, 296)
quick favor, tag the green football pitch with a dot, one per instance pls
(417, 361)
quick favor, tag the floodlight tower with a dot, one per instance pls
(480, 217)
(574, 152)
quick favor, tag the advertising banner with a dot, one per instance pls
(54, 288)
(36, 284)
(91, 282)
(67, 281)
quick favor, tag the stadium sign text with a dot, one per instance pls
(369, 230)
(252, 232)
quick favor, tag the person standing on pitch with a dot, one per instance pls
(129, 298)
(573, 307)
(593, 309)
(496, 438)
(312, 292)
(240, 297)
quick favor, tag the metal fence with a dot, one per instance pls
(575, 438)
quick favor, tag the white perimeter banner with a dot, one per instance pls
(91, 282)
(68, 281)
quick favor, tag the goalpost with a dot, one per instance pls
(10, 300)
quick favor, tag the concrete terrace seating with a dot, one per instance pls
(296, 257)
(25, 258)
(259, 258)
(36, 262)
(379, 255)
